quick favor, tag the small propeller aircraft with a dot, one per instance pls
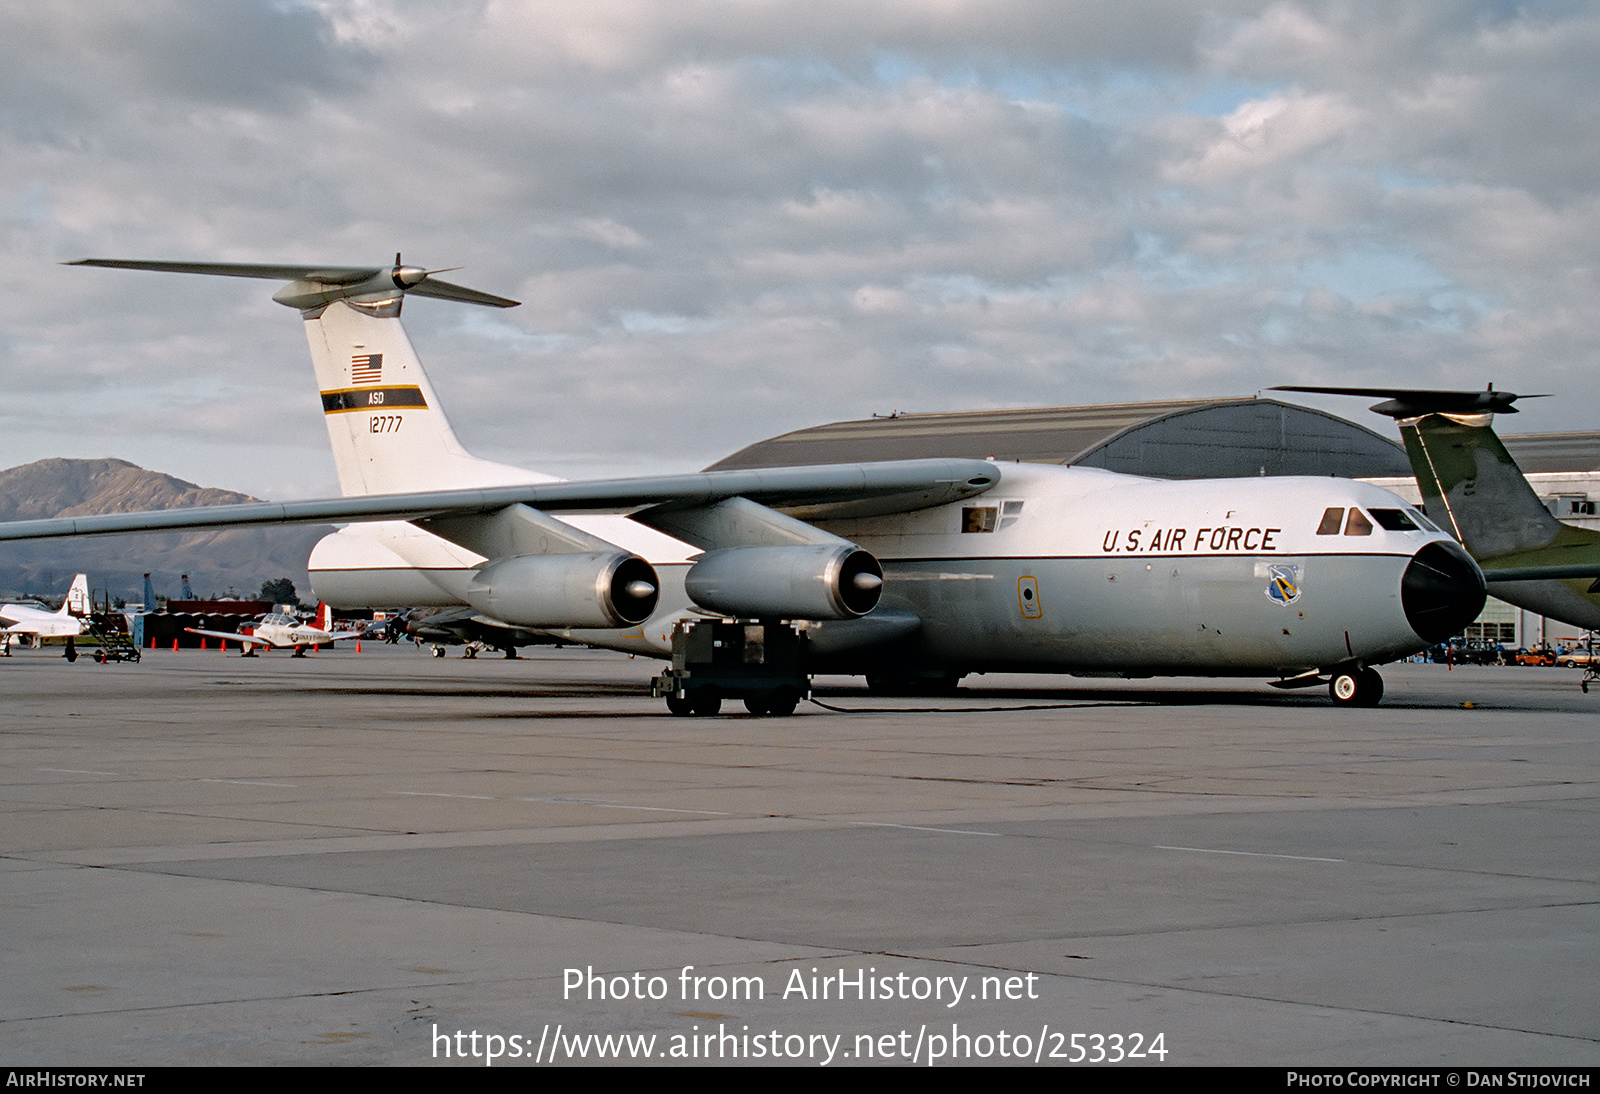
(280, 631)
(912, 572)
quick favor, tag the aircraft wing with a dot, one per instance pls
(808, 492)
(229, 636)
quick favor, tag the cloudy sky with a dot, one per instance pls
(732, 218)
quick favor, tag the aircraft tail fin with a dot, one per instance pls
(387, 430)
(324, 620)
(77, 601)
(384, 422)
(1471, 485)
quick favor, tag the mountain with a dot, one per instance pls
(238, 559)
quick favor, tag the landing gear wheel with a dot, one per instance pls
(438, 651)
(1356, 688)
(777, 703)
(705, 702)
(680, 705)
(781, 703)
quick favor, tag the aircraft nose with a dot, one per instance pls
(1442, 591)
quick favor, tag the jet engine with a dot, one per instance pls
(597, 589)
(810, 581)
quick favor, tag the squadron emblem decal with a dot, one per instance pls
(1283, 584)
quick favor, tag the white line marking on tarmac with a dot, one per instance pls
(923, 828)
(1251, 854)
(431, 794)
(612, 805)
(247, 782)
(75, 771)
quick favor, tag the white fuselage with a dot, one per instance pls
(24, 619)
(1057, 569)
(289, 635)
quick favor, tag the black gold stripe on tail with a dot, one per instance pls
(372, 398)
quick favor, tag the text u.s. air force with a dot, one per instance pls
(1203, 540)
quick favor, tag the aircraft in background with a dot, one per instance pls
(1471, 485)
(34, 620)
(911, 572)
(441, 627)
(278, 631)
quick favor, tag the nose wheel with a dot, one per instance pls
(1356, 688)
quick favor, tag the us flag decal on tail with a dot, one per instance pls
(366, 368)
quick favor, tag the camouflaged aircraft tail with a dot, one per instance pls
(1471, 486)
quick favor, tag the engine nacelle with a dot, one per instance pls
(601, 589)
(828, 581)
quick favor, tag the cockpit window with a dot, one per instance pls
(1358, 524)
(1332, 520)
(1394, 520)
(1422, 518)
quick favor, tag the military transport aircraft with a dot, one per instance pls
(918, 570)
(35, 621)
(1472, 486)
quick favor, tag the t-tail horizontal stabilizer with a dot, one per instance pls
(1412, 403)
(314, 287)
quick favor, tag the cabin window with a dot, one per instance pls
(1358, 524)
(1009, 512)
(978, 518)
(1332, 520)
(1394, 520)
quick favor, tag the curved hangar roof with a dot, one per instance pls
(1181, 439)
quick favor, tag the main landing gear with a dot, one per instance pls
(1357, 687)
(712, 660)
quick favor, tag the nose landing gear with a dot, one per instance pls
(1356, 687)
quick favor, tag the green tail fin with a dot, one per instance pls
(1472, 486)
